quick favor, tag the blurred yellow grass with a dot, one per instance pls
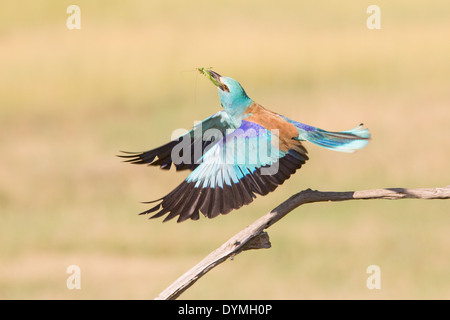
(70, 100)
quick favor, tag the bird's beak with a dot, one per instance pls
(215, 78)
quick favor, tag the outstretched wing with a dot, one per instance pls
(244, 163)
(189, 147)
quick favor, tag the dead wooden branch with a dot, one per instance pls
(254, 236)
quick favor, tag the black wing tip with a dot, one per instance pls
(152, 209)
(132, 157)
(187, 202)
(128, 154)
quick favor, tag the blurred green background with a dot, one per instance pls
(71, 99)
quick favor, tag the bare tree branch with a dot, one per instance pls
(254, 236)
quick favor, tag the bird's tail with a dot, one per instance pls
(344, 141)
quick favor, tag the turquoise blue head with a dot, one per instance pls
(232, 96)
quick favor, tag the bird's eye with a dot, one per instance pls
(224, 87)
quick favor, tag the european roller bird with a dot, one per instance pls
(239, 152)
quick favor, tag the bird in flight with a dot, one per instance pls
(239, 152)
